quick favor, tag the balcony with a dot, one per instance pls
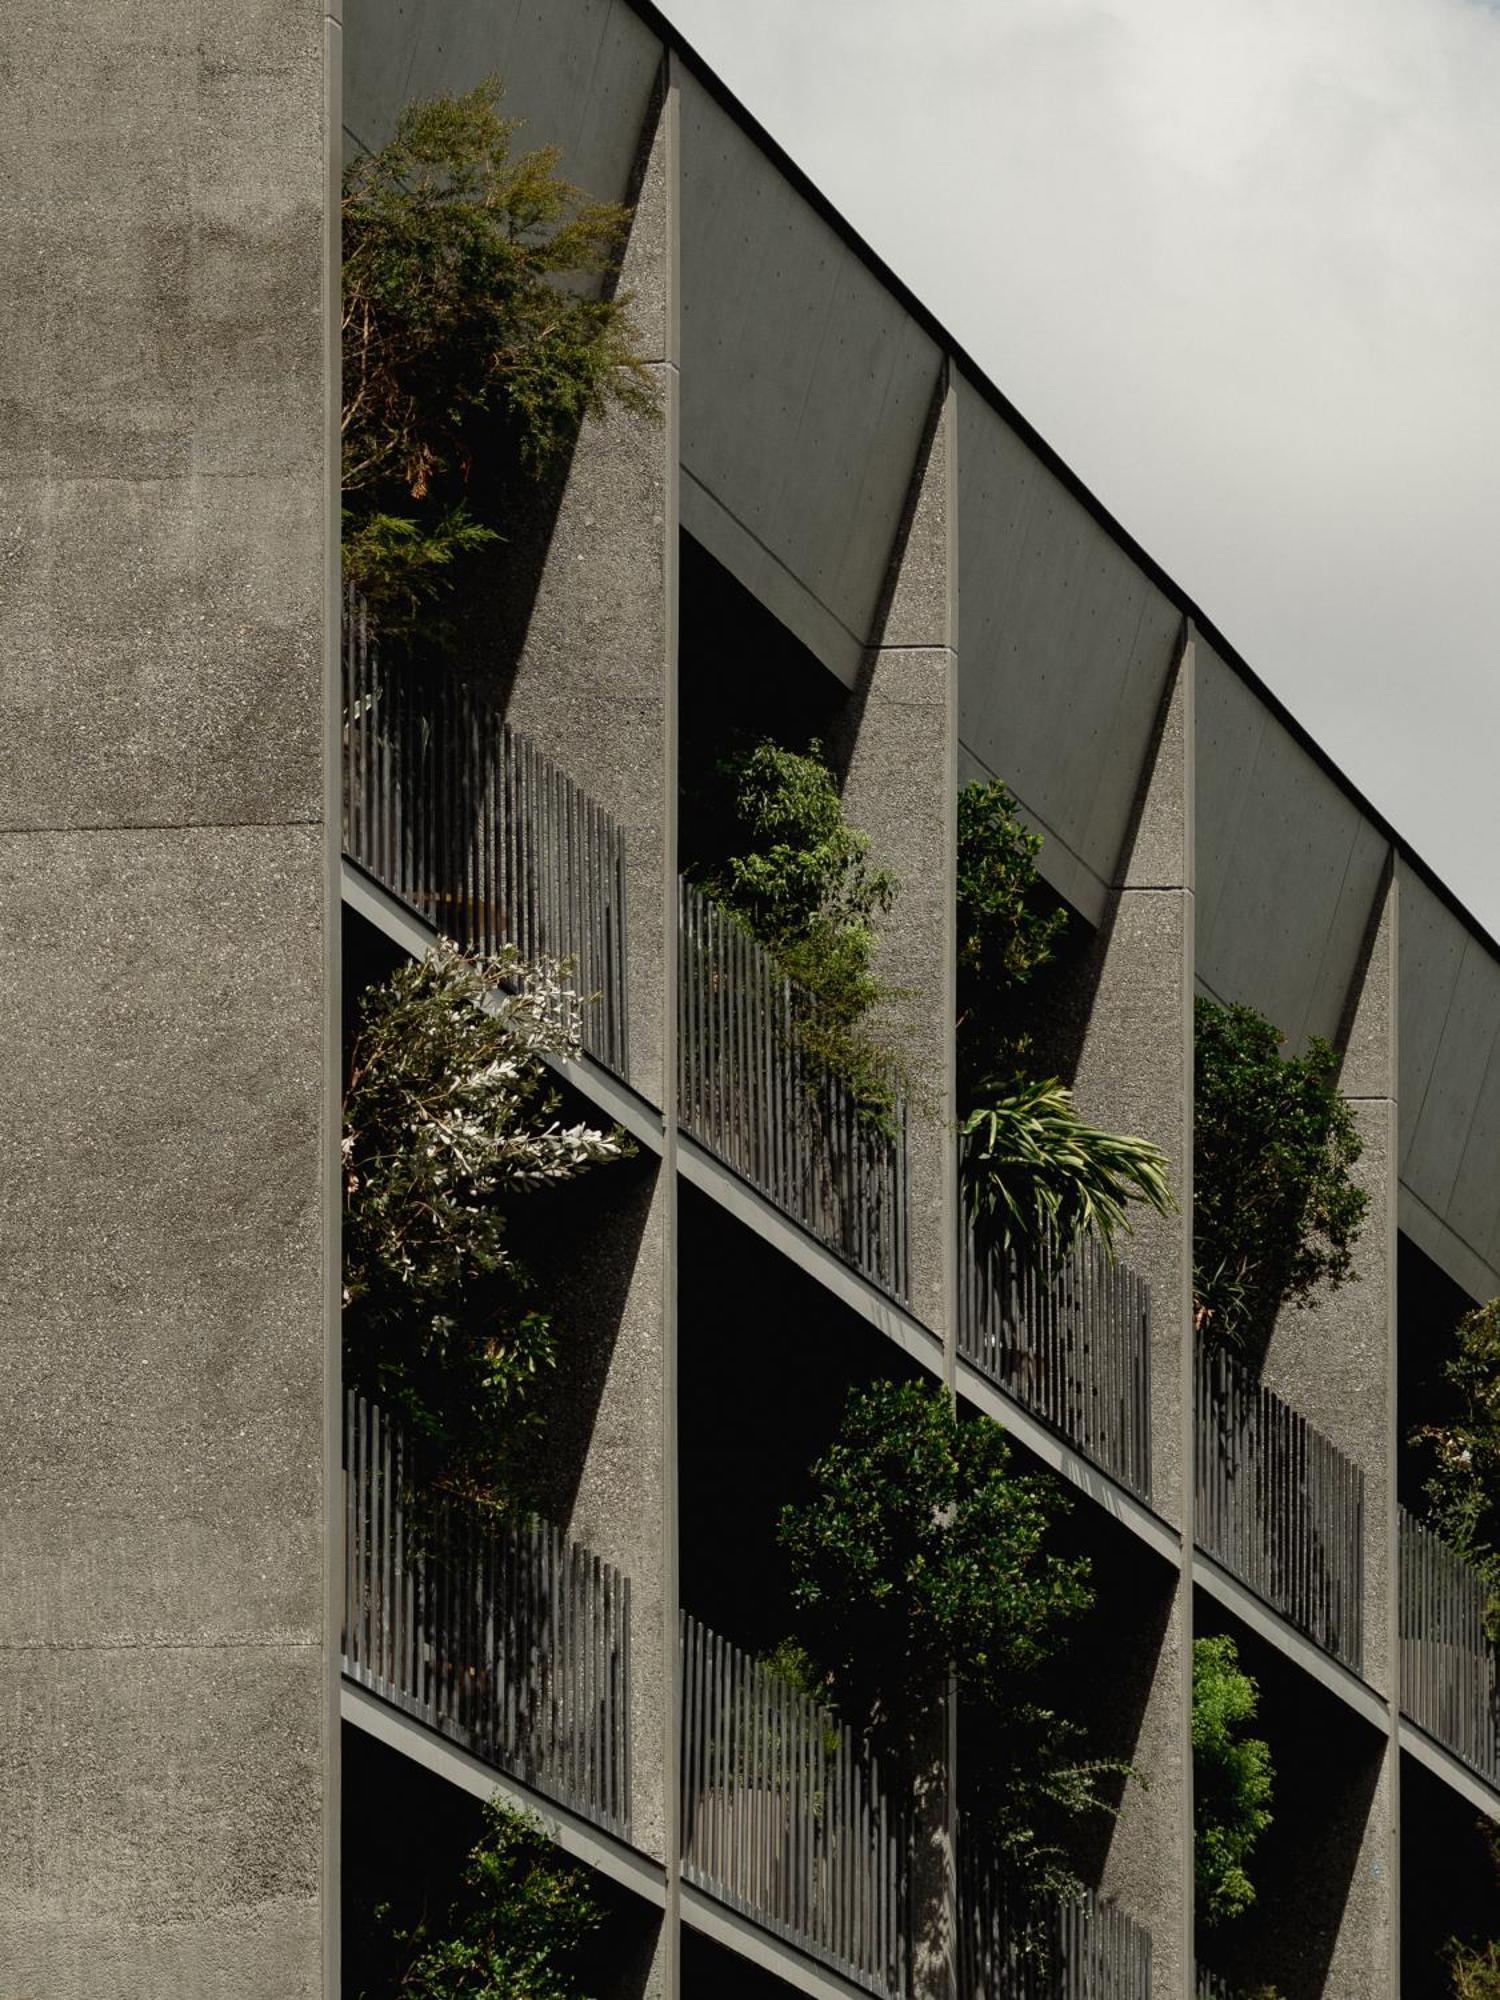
(1279, 1506)
(464, 821)
(787, 1819)
(750, 1095)
(1093, 1951)
(507, 1639)
(1450, 1669)
(1068, 1338)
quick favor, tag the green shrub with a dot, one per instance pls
(1463, 1491)
(470, 351)
(515, 1930)
(792, 871)
(1276, 1212)
(1232, 1781)
(1036, 1175)
(919, 1555)
(448, 1121)
(1475, 1970)
(1005, 939)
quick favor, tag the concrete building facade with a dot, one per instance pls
(835, 494)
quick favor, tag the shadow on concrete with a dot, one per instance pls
(406, 1835)
(1306, 1868)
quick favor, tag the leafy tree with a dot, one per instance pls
(448, 1121)
(1036, 1175)
(470, 348)
(1232, 1781)
(1276, 1212)
(1005, 940)
(515, 1930)
(798, 878)
(1463, 1492)
(921, 1555)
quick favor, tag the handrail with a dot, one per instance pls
(1279, 1506)
(787, 1818)
(506, 1638)
(1450, 1667)
(751, 1094)
(467, 823)
(1069, 1338)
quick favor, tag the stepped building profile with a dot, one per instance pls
(241, 1694)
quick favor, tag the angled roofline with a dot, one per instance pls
(677, 44)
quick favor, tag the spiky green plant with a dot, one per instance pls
(1037, 1177)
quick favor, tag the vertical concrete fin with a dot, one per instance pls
(1134, 1074)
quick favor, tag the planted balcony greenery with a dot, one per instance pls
(475, 341)
(1276, 1209)
(1463, 1489)
(922, 1554)
(1037, 1176)
(1474, 1970)
(791, 870)
(1232, 1781)
(449, 1124)
(516, 1927)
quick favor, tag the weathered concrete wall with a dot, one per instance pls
(1134, 1074)
(901, 787)
(1334, 1359)
(164, 1696)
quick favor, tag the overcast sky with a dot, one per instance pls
(1239, 262)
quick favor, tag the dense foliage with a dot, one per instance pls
(471, 351)
(919, 1555)
(799, 878)
(1006, 938)
(1463, 1490)
(1276, 1211)
(448, 1122)
(1036, 1175)
(1232, 1781)
(1475, 1970)
(515, 1930)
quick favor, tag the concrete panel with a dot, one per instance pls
(160, 1839)
(1450, 1124)
(1067, 648)
(901, 788)
(1288, 865)
(580, 72)
(806, 387)
(183, 684)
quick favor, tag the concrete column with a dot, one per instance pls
(165, 1723)
(900, 757)
(1134, 1074)
(599, 629)
(1334, 1359)
(595, 684)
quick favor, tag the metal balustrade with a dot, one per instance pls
(1069, 1338)
(1213, 1986)
(467, 823)
(750, 1093)
(1450, 1669)
(1279, 1506)
(507, 1639)
(1089, 1950)
(787, 1819)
